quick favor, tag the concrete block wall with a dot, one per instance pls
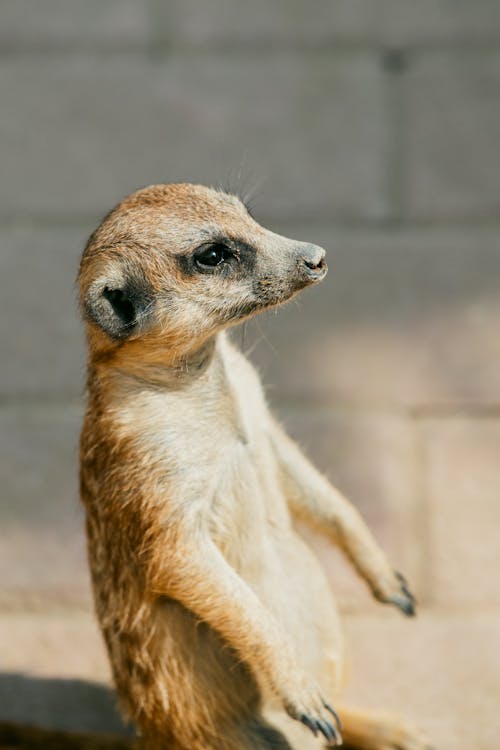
(367, 126)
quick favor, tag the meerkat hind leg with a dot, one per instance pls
(366, 730)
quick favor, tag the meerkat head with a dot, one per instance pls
(173, 264)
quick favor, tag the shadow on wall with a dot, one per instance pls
(72, 705)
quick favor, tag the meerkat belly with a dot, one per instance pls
(276, 562)
(293, 585)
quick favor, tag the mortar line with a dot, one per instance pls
(87, 221)
(292, 404)
(163, 47)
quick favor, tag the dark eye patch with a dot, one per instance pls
(231, 257)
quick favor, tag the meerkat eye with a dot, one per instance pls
(212, 256)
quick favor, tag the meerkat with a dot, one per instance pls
(221, 629)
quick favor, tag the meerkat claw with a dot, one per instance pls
(334, 714)
(309, 723)
(329, 731)
(405, 601)
(326, 729)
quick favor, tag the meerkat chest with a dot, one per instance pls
(209, 447)
(247, 504)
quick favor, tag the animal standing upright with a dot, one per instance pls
(221, 629)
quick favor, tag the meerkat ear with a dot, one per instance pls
(117, 306)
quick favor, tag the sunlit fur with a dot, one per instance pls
(221, 629)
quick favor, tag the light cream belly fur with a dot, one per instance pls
(274, 560)
(295, 589)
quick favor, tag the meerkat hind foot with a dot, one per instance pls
(372, 731)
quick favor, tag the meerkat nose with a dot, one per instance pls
(312, 259)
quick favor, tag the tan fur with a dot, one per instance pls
(220, 626)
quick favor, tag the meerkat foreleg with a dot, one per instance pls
(316, 502)
(195, 573)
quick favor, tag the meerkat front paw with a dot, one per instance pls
(316, 714)
(398, 594)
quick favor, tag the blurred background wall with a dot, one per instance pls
(371, 127)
